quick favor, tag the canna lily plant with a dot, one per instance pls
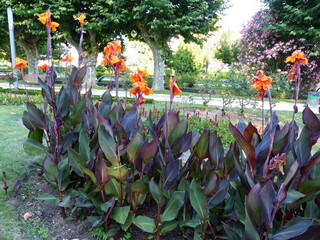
(108, 168)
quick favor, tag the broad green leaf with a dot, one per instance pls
(173, 207)
(291, 173)
(76, 162)
(50, 168)
(303, 147)
(112, 188)
(251, 232)
(48, 197)
(119, 172)
(128, 222)
(178, 132)
(84, 149)
(155, 191)
(202, 147)
(90, 174)
(108, 145)
(196, 236)
(168, 226)
(120, 214)
(197, 199)
(134, 146)
(63, 174)
(146, 224)
(107, 205)
(310, 187)
(293, 195)
(139, 186)
(33, 147)
(285, 233)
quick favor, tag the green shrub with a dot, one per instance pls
(186, 80)
(17, 99)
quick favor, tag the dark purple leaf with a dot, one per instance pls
(267, 197)
(216, 153)
(149, 151)
(281, 139)
(106, 97)
(36, 116)
(315, 159)
(101, 170)
(186, 142)
(129, 122)
(108, 146)
(213, 185)
(281, 196)
(104, 109)
(17, 186)
(311, 120)
(289, 232)
(246, 146)
(220, 195)
(27, 121)
(171, 174)
(173, 120)
(313, 233)
(229, 158)
(253, 204)
(251, 134)
(120, 133)
(104, 122)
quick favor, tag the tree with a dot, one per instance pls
(297, 19)
(156, 22)
(261, 48)
(227, 50)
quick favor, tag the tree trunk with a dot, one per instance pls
(158, 75)
(90, 59)
(31, 51)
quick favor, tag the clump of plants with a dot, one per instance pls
(107, 167)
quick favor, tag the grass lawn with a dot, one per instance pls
(12, 159)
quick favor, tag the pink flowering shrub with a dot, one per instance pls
(261, 48)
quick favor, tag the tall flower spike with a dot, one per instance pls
(81, 19)
(20, 63)
(261, 83)
(174, 88)
(67, 58)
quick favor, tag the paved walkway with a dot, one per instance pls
(280, 106)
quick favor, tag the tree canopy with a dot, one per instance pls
(156, 22)
(297, 19)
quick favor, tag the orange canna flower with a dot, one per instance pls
(44, 18)
(20, 63)
(174, 88)
(81, 19)
(139, 76)
(67, 58)
(112, 48)
(297, 55)
(44, 67)
(261, 83)
(53, 26)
